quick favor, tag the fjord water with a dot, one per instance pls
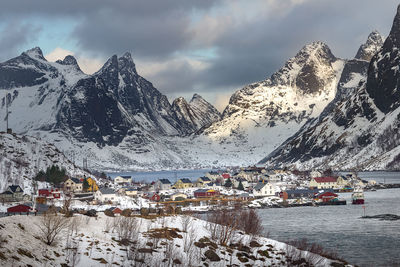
(365, 242)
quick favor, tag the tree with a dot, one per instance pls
(51, 225)
(85, 185)
(228, 183)
(240, 186)
(53, 174)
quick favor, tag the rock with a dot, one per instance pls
(211, 255)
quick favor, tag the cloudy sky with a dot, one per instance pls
(185, 46)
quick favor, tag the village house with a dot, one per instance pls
(203, 181)
(183, 183)
(323, 182)
(49, 193)
(315, 173)
(19, 209)
(201, 193)
(236, 182)
(131, 192)
(264, 189)
(123, 180)
(226, 176)
(213, 175)
(178, 196)
(215, 186)
(342, 181)
(326, 196)
(152, 196)
(162, 184)
(12, 193)
(92, 185)
(73, 185)
(105, 194)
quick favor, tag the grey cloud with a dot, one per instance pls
(13, 36)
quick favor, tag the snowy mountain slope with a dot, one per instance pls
(196, 114)
(361, 131)
(22, 157)
(115, 109)
(262, 115)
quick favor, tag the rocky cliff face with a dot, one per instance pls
(370, 47)
(196, 114)
(359, 130)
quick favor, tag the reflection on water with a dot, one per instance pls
(365, 242)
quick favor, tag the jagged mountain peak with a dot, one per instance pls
(383, 73)
(370, 47)
(35, 53)
(309, 71)
(179, 100)
(70, 61)
(395, 31)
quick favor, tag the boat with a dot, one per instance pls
(358, 196)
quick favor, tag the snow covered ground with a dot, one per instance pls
(90, 241)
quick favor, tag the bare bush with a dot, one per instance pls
(126, 227)
(250, 222)
(186, 222)
(225, 225)
(51, 225)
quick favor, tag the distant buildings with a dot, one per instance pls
(123, 180)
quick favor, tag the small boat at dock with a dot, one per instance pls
(358, 197)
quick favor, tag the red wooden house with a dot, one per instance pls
(226, 175)
(327, 196)
(153, 197)
(50, 193)
(205, 193)
(117, 211)
(19, 209)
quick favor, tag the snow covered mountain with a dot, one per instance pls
(115, 109)
(262, 115)
(196, 114)
(22, 157)
(360, 131)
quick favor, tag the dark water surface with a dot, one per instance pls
(365, 242)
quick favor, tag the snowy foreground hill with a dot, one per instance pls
(22, 157)
(89, 241)
(360, 130)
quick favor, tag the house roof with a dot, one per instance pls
(325, 179)
(76, 180)
(164, 181)
(186, 181)
(13, 188)
(213, 173)
(107, 191)
(200, 191)
(226, 175)
(126, 176)
(259, 186)
(205, 179)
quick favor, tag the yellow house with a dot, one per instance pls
(203, 181)
(73, 185)
(183, 183)
(92, 185)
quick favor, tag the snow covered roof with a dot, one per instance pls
(13, 188)
(164, 181)
(259, 186)
(107, 191)
(186, 181)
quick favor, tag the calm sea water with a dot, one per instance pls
(365, 242)
(380, 176)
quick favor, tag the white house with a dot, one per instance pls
(264, 189)
(323, 182)
(162, 184)
(119, 180)
(105, 195)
